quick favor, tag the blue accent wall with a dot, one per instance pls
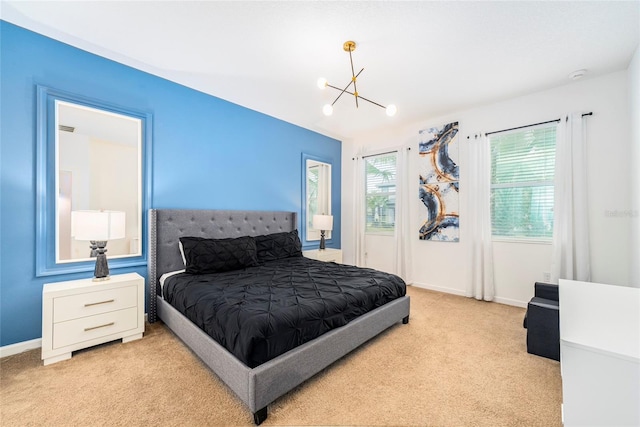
(207, 154)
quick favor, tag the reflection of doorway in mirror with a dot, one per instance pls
(64, 214)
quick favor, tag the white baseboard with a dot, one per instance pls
(508, 301)
(499, 300)
(438, 288)
(20, 347)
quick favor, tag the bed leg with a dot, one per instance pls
(405, 320)
(260, 416)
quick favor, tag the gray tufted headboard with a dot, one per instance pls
(166, 226)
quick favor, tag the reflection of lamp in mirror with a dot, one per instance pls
(322, 223)
(98, 227)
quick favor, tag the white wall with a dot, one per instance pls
(443, 266)
(634, 109)
(117, 181)
(116, 187)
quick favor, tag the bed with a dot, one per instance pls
(256, 380)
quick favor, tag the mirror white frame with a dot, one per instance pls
(316, 194)
(50, 156)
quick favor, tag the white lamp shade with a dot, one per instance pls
(323, 222)
(98, 225)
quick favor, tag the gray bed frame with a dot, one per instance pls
(260, 386)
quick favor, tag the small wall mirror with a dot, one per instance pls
(91, 158)
(318, 195)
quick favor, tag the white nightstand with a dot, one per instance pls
(328, 255)
(82, 313)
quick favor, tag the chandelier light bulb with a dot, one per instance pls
(391, 110)
(327, 110)
(322, 83)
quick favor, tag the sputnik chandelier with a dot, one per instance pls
(350, 46)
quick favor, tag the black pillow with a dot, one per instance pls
(278, 245)
(204, 256)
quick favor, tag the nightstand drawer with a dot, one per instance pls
(88, 328)
(92, 303)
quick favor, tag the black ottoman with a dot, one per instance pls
(543, 322)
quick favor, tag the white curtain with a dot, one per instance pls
(403, 264)
(570, 219)
(359, 210)
(481, 286)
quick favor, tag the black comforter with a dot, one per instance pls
(259, 313)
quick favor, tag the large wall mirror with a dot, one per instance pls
(91, 158)
(317, 190)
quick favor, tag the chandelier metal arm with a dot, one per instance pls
(353, 77)
(373, 102)
(342, 91)
(351, 93)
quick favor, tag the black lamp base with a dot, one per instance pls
(322, 247)
(101, 271)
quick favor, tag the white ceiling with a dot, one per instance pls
(428, 58)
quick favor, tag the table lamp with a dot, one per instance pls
(322, 223)
(98, 227)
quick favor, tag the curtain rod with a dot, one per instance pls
(381, 154)
(534, 124)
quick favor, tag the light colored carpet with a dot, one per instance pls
(459, 362)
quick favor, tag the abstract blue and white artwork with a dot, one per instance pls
(439, 183)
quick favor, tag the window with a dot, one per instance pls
(380, 193)
(522, 174)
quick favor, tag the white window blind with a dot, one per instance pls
(380, 193)
(522, 181)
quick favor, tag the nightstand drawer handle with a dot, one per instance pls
(98, 303)
(101, 326)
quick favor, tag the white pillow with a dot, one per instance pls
(184, 260)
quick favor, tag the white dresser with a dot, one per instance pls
(327, 255)
(82, 313)
(599, 354)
